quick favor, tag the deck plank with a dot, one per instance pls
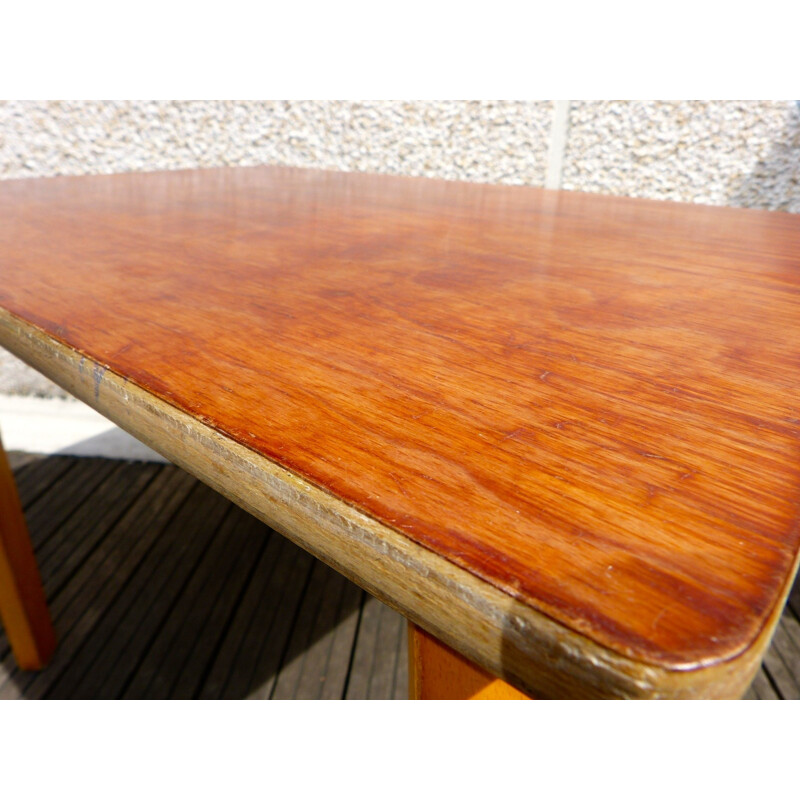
(35, 478)
(401, 685)
(64, 497)
(161, 667)
(780, 673)
(18, 460)
(787, 679)
(385, 666)
(307, 673)
(791, 627)
(73, 541)
(198, 662)
(154, 589)
(343, 637)
(286, 683)
(160, 588)
(67, 548)
(373, 671)
(235, 639)
(79, 609)
(272, 650)
(135, 566)
(252, 651)
(794, 597)
(762, 688)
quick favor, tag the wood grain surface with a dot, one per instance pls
(590, 403)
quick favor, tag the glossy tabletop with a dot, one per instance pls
(591, 404)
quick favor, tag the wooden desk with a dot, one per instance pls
(558, 431)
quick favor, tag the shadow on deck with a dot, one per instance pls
(161, 588)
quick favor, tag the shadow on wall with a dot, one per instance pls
(774, 182)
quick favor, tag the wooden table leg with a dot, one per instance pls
(435, 672)
(23, 609)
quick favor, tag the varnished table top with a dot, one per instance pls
(569, 423)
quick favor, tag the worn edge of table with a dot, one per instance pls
(508, 638)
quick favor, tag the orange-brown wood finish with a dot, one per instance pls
(590, 403)
(23, 610)
(436, 672)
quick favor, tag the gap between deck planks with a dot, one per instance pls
(160, 588)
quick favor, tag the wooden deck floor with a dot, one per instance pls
(161, 588)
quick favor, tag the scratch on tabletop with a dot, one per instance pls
(98, 373)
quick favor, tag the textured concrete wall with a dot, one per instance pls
(479, 141)
(724, 153)
(721, 153)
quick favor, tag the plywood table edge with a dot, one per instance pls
(503, 635)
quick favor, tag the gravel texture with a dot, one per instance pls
(496, 142)
(724, 153)
(720, 153)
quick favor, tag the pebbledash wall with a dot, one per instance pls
(716, 152)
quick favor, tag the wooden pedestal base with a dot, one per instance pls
(23, 609)
(436, 672)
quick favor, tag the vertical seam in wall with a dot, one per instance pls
(558, 144)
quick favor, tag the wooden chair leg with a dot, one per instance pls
(23, 609)
(436, 672)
